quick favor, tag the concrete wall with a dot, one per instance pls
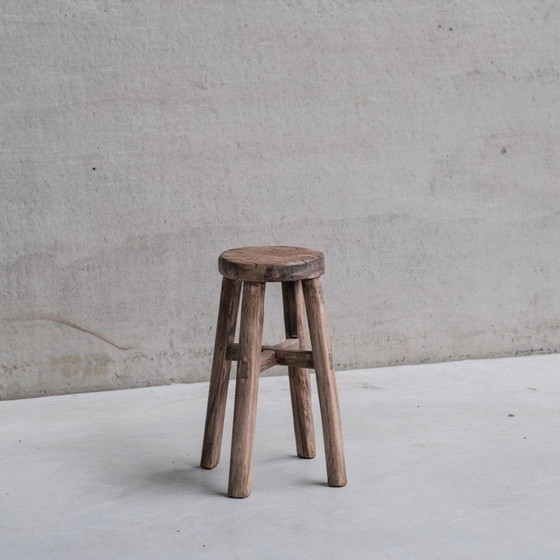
(415, 143)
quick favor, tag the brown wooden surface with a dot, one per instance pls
(248, 370)
(219, 377)
(326, 382)
(300, 386)
(284, 354)
(271, 264)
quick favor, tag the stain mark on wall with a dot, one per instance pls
(87, 366)
(73, 325)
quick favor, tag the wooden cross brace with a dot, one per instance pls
(285, 353)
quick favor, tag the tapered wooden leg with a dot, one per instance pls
(248, 370)
(326, 382)
(219, 377)
(300, 386)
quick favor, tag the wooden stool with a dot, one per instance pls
(299, 271)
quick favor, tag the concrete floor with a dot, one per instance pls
(446, 461)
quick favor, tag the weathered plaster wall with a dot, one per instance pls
(416, 143)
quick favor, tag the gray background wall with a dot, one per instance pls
(416, 143)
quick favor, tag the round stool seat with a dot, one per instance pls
(271, 264)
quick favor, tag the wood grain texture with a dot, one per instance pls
(326, 382)
(300, 385)
(271, 264)
(248, 370)
(284, 354)
(219, 377)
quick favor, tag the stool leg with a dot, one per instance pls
(326, 382)
(219, 377)
(248, 371)
(300, 386)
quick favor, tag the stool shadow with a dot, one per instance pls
(192, 478)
